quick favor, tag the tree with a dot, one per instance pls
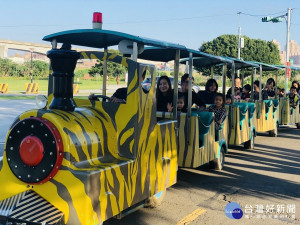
(113, 69)
(254, 50)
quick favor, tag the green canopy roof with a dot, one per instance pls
(97, 38)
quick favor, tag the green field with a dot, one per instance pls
(18, 85)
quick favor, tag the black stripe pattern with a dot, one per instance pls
(30, 206)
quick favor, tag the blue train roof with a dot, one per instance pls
(240, 64)
(166, 55)
(97, 38)
(290, 67)
(266, 67)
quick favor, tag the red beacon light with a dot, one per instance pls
(97, 20)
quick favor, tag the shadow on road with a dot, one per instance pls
(266, 171)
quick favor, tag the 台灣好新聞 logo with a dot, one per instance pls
(233, 210)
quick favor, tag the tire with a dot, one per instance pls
(250, 144)
(274, 133)
(298, 125)
(218, 163)
(155, 200)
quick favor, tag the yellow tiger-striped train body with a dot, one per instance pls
(115, 155)
(266, 115)
(242, 126)
(287, 114)
(198, 143)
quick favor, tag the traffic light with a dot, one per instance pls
(266, 19)
(277, 19)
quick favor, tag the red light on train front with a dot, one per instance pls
(97, 20)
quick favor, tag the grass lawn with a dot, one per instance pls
(17, 85)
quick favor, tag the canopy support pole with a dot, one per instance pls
(232, 94)
(176, 74)
(212, 72)
(253, 74)
(224, 79)
(260, 82)
(189, 107)
(276, 79)
(104, 71)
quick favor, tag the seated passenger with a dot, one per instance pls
(293, 97)
(282, 92)
(256, 91)
(207, 96)
(246, 92)
(228, 100)
(184, 90)
(180, 104)
(279, 92)
(164, 94)
(219, 110)
(237, 86)
(295, 84)
(270, 85)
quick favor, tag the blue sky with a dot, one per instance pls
(189, 22)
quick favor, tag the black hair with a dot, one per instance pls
(271, 80)
(180, 95)
(293, 88)
(282, 90)
(158, 92)
(296, 82)
(228, 97)
(209, 83)
(222, 96)
(184, 77)
(247, 87)
(237, 77)
(257, 84)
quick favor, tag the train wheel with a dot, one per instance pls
(155, 200)
(218, 163)
(274, 133)
(249, 144)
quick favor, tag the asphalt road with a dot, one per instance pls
(9, 110)
(268, 175)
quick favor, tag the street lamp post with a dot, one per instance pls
(277, 19)
(31, 72)
(288, 24)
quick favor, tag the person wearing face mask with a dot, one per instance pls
(164, 94)
(211, 89)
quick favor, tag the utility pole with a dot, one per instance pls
(239, 41)
(31, 67)
(288, 25)
(278, 19)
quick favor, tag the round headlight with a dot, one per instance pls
(41, 101)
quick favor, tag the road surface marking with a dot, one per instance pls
(191, 217)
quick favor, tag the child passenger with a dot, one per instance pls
(246, 92)
(180, 104)
(293, 97)
(219, 110)
(228, 100)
